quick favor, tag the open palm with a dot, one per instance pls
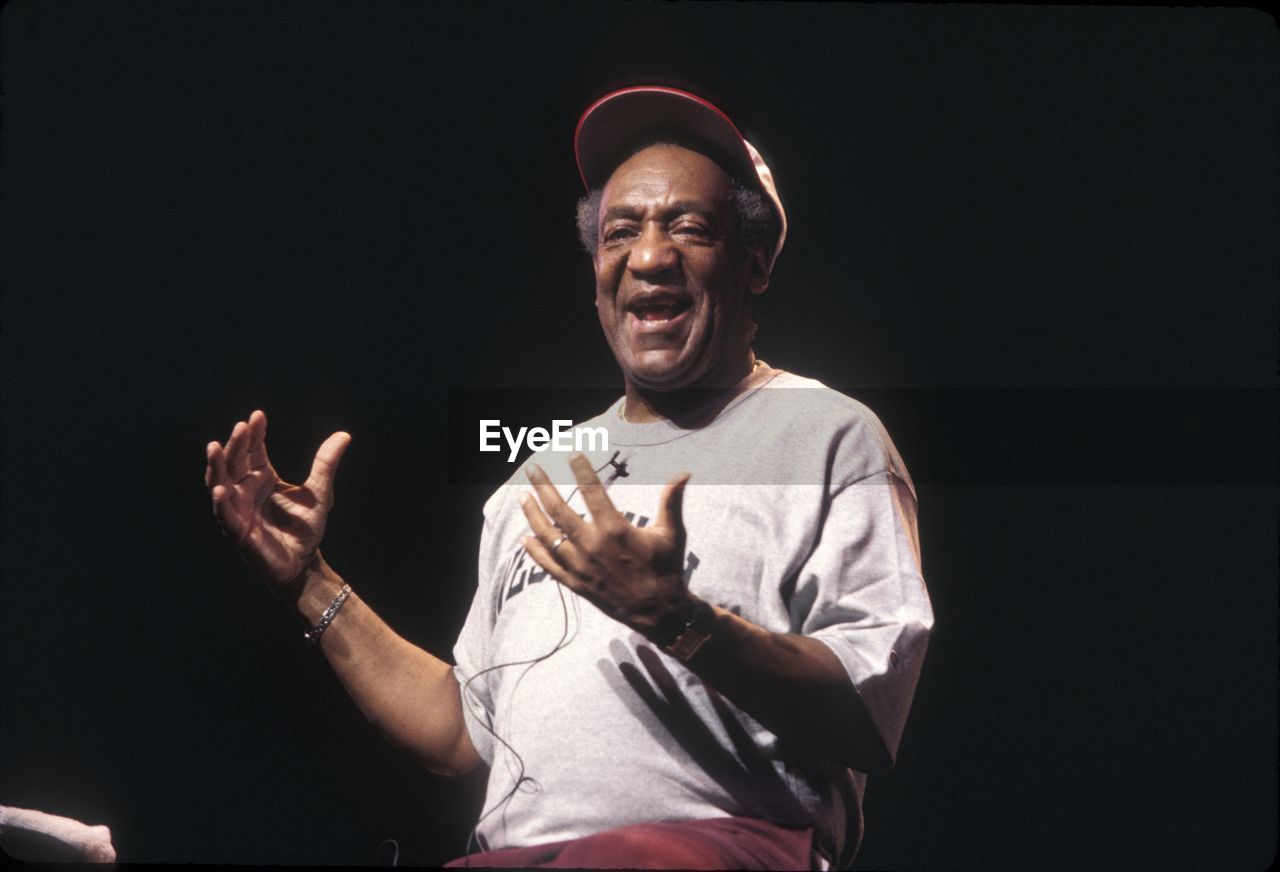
(276, 526)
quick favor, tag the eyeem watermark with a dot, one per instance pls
(563, 436)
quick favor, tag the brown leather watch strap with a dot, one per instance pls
(697, 630)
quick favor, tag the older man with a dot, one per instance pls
(692, 662)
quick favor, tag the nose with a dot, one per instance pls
(654, 252)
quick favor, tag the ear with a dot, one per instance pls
(758, 270)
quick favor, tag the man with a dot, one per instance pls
(691, 663)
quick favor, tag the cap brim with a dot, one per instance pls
(616, 121)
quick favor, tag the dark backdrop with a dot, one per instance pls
(1027, 233)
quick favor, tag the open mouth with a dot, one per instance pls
(659, 310)
(656, 312)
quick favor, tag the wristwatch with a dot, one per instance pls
(682, 633)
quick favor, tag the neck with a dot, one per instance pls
(643, 405)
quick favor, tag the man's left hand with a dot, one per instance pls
(635, 575)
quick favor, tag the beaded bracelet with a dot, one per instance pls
(313, 635)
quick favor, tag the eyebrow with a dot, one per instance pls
(679, 208)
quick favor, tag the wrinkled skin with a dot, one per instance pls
(668, 243)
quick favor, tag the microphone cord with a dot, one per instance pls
(620, 471)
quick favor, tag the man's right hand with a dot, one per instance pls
(276, 526)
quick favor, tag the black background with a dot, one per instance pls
(339, 212)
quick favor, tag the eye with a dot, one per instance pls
(618, 232)
(696, 230)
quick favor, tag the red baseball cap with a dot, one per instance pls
(616, 120)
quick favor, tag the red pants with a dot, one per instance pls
(718, 843)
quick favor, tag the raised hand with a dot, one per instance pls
(276, 526)
(635, 575)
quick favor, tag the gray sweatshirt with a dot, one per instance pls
(800, 518)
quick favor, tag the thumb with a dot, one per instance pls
(325, 466)
(671, 504)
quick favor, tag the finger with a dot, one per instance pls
(538, 521)
(214, 471)
(257, 451)
(566, 553)
(671, 504)
(325, 466)
(237, 445)
(593, 492)
(223, 509)
(542, 556)
(564, 517)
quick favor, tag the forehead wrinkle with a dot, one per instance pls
(662, 167)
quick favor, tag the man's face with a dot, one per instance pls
(672, 280)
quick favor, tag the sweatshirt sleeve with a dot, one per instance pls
(870, 604)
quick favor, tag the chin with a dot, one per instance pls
(664, 376)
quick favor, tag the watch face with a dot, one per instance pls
(686, 630)
(669, 630)
(696, 631)
(675, 624)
